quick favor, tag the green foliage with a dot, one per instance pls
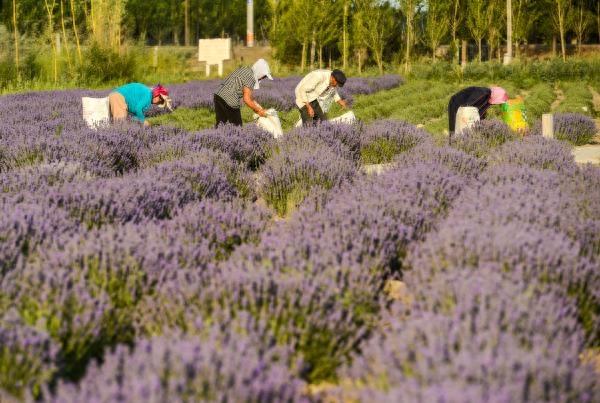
(589, 311)
(523, 73)
(577, 98)
(380, 151)
(19, 364)
(104, 65)
(538, 101)
(8, 72)
(186, 118)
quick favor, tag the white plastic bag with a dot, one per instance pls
(270, 123)
(96, 111)
(347, 118)
(466, 116)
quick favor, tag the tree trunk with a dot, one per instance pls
(563, 46)
(561, 30)
(379, 58)
(50, 11)
(186, 33)
(64, 32)
(320, 56)
(16, 32)
(345, 42)
(598, 20)
(313, 46)
(408, 39)
(73, 18)
(303, 58)
(455, 40)
(479, 49)
(360, 53)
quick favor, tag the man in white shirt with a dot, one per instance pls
(318, 85)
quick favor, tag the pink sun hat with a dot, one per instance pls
(498, 96)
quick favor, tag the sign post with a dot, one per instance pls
(214, 51)
(547, 125)
(250, 24)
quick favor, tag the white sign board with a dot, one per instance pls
(214, 51)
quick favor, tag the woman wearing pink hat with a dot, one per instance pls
(479, 97)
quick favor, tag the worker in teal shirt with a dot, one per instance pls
(135, 99)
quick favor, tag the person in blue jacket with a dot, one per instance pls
(134, 99)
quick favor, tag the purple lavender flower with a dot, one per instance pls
(575, 128)
(383, 139)
(482, 137)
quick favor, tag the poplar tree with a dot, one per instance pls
(477, 22)
(438, 18)
(559, 17)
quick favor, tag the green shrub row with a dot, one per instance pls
(525, 73)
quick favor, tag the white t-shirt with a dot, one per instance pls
(315, 85)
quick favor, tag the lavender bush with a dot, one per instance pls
(27, 356)
(482, 137)
(141, 264)
(343, 139)
(455, 160)
(249, 144)
(575, 128)
(487, 336)
(223, 366)
(383, 139)
(301, 164)
(536, 152)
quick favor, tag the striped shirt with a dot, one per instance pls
(231, 90)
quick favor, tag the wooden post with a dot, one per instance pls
(463, 54)
(508, 54)
(548, 125)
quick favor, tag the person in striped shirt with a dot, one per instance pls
(238, 86)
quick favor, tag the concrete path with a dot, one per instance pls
(587, 154)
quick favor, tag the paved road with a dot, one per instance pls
(588, 153)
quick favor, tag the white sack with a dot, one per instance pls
(270, 123)
(347, 118)
(466, 116)
(96, 111)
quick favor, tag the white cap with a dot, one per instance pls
(261, 69)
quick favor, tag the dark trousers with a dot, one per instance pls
(307, 119)
(225, 113)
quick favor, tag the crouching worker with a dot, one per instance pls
(134, 99)
(478, 97)
(238, 86)
(318, 85)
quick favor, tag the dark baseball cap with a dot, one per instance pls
(339, 76)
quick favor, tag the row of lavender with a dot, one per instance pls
(87, 274)
(505, 289)
(279, 92)
(204, 297)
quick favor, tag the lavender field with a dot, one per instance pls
(162, 264)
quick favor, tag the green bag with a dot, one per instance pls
(514, 115)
